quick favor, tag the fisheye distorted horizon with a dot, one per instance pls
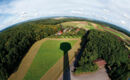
(112, 11)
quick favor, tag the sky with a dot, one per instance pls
(112, 11)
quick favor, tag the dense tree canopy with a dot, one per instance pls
(108, 47)
(16, 41)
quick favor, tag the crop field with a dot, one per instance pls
(48, 54)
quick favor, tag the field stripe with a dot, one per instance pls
(28, 59)
(26, 62)
(55, 71)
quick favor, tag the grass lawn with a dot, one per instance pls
(48, 54)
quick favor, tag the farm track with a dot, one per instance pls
(28, 59)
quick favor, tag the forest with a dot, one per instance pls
(106, 46)
(17, 40)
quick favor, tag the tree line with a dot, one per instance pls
(16, 41)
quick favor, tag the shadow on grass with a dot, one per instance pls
(65, 47)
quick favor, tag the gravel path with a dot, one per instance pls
(98, 75)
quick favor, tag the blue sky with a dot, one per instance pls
(113, 11)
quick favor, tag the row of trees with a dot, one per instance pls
(16, 41)
(106, 46)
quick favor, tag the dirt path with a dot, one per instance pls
(28, 59)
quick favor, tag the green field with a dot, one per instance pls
(78, 24)
(48, 54)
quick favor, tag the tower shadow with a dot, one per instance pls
(65, 47)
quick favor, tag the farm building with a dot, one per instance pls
(60, 32)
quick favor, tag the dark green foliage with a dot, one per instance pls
(3, 73)
(85, 64)
(108, 47)
(16, 41)
(81, 32)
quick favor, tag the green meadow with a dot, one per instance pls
(48, 54)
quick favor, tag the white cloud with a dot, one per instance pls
(106, 10)
(76, 12)
(113, 11)
(123, 22)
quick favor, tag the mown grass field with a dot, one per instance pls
(48, 54)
